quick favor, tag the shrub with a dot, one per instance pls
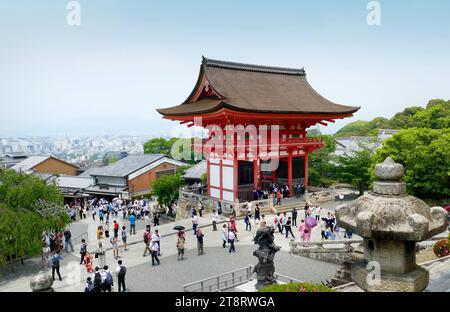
(296, 287)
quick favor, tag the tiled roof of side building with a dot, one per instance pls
(127, 165)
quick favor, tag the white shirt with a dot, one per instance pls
(215, 216)
(231, 235)
(249, 207)
(195, 219)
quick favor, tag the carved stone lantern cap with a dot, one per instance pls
(389, 213)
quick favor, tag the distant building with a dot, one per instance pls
(11, 159)
(194, 174)
(45, 165)
(349, 145)
(131, 176)
(72, 188)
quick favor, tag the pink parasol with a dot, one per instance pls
(310, 222)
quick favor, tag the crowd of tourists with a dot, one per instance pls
(278, 192)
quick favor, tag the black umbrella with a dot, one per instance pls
(179, 227)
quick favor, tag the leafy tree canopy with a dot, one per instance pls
(28, 207)
(166, 189)
(435, 116)
(424, 154)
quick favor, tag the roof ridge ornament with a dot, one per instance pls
(253, 67)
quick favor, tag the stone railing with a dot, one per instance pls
(188, 200)
(335, 251)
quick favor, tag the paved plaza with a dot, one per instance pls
(171, 275)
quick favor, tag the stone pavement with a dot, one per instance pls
(74, 275)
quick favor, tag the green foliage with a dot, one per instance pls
(178, 148)
(182, 169)
(425, 155)
(296, 287)
(435, 116)
(23, 218)
(159, 146)
(355, 169)
(204, 178)
(166, 189)
(320, 162)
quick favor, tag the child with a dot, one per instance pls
(99, 232)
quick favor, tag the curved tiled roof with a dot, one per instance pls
(256, 88)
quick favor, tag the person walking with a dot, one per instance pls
(224, 235)
(180, 247)
(231, 240)
(124, 238)
(305, 232)
(147, 240)
(107, 279)
(68, 240)
(288, 228)
(156, 219)
(115, 245)
(154, 247)
(294, 214)
(100, 254)
(99, 232)
(323, 228)
(116, 228)
(278, 198)
(257, 214)
(45, 256)
(215, 218)
(284, 221)
(200, 236)
(121, 271)
(316, 212)
(97, 276)
(83, 251)
(200, 208)
(89, 286)
(132, 219)
(157, 239)
(248, 226)
(56, 259)
(194, 223)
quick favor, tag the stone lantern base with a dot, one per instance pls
(414, 281)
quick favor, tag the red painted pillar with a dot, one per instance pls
(207, 177)
(290, 173)
(235, 176)
(306, 170)
(255, 174)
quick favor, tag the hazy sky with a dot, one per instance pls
(129, 57)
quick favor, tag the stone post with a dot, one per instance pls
(390, 222)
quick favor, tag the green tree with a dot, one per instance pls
(424, 154)
(166, 189)
(320, 162)
(159, 146)
(355, 168)
(28, 207)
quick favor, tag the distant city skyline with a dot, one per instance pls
(127, 58)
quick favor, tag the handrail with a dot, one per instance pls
(235, 280)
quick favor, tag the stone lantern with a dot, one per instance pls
(390, 222)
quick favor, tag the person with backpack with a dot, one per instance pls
(97, 280)
(89, 286)
(68, 240)
(121, 271)
(83, 251)
(107, 279)
(147, 239)
(56, 259)
(288, 228)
